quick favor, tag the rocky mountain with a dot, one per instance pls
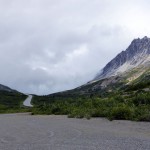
(129, 70)
(137, 54)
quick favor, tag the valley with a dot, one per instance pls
(114, 94)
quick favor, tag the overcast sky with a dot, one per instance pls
(48, 46)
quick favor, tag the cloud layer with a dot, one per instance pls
(48, 46)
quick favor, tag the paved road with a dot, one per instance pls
(27, 102)
(26, 132)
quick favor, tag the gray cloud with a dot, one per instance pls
(48, 46)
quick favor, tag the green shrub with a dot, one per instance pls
(121, 112)
(80, 113)
(119, 98)
(100, 112)
(142, 98)
(87, 116)
(71, 116)
(145, 117)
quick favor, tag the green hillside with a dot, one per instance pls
(125, 96)
(11, 102)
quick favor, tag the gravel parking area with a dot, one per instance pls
(26, 132)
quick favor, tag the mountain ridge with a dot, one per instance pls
(138, 53)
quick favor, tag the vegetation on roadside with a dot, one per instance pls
(115, 106)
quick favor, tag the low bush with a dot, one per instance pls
(121, 112)
(144, 117)
(142, 99)
(136, 106)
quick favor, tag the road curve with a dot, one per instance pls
(27, 102)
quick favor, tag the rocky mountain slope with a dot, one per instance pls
(137, 54)
(128, 70)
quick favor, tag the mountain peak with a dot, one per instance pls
(141, 40)
(137, 53)
(145, 38)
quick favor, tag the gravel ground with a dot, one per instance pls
(26, 132)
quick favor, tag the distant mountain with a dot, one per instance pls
(11, 101)
(137, 54)
(5, 88)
